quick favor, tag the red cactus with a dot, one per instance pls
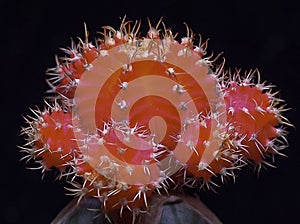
(52, 135)
(251, 108)
(143, 114)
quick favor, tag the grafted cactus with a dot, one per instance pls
(131, 117)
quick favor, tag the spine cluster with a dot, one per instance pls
(158, 124)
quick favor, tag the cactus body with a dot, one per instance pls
(132, 117)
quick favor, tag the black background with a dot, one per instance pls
(252, 34)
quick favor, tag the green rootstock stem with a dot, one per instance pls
(162, 210)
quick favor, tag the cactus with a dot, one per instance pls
(256, 114)
(130, 117)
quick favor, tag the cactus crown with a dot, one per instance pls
(130, 116)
